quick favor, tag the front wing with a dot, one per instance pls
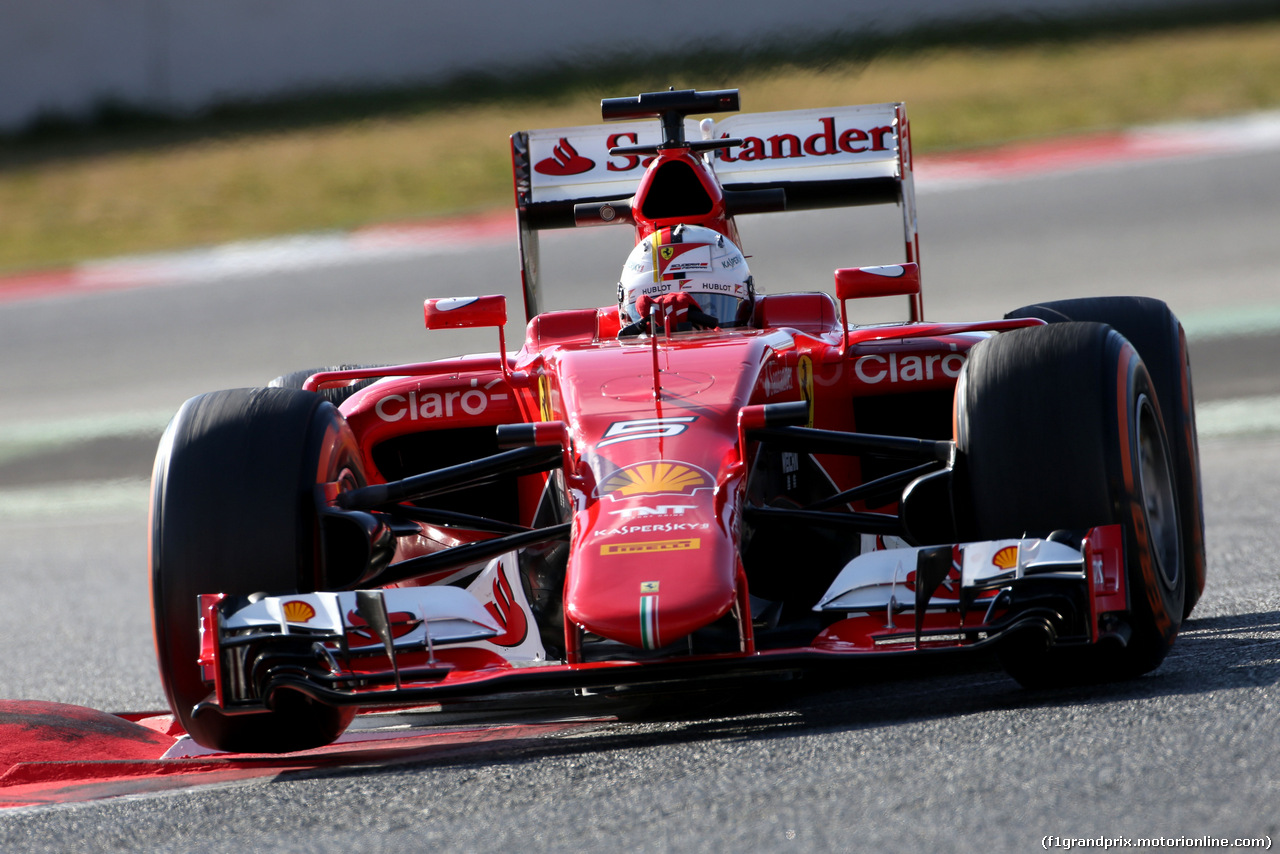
(404, 646)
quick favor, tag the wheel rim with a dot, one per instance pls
(1155, 482)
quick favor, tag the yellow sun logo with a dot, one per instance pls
(1006, 558)
(297, 611)
(654, 479)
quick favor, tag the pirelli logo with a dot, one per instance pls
(651, 546)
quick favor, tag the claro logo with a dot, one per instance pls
(438, 404)
(911, 368)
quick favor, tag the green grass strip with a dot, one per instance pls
(133, 183)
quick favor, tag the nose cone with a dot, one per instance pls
(650, 589)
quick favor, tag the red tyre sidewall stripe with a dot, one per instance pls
(1126, 379)
(1194, 563)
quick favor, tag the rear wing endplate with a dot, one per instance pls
(820, 158)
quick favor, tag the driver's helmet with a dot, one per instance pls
(693, 260)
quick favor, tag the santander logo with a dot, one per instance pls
(825, 142)
(565, 161)
(506, 613)
(359, 634)
(828, 140)
(841, 142)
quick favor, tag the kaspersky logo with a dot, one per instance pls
(565, 160)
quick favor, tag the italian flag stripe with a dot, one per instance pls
(649, 621)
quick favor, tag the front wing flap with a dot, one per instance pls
(962, 593)
(402, 646)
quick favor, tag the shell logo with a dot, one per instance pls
(1006, 558)
(654, 478)
(297, 611)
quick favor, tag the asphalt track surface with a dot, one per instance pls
(945, 757)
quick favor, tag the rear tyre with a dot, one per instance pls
(233, 511)
(1159, 339)
(1058, 427)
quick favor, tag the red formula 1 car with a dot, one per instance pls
(700, 481)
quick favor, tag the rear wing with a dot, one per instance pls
(819, 158)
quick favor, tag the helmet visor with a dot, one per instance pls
(728, 310)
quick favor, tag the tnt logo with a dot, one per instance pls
(659, 510)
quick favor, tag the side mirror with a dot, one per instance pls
(888, 281)
(465, 312)
(470, 313)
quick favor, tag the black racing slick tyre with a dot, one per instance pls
(1161, 342)
(335, 395)
(1058, 427)
(233, 511)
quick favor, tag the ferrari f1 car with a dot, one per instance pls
(702, 480)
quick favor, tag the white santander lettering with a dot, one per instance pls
(783, 146)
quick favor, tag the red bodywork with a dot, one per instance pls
(657, 470)
(659, 465)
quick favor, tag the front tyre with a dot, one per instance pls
(1059, 428)
(1153, 329)
(336, 395)
(233, 511)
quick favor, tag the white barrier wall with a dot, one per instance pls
(68, 57)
